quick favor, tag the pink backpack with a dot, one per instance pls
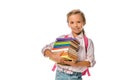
(86, 46)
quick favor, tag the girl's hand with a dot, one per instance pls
(76, 64)
(57, 57)
(71, 63)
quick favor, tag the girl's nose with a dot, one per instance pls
(75, 24)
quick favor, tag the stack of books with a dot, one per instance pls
(69, 47)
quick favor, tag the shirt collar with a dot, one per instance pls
(79, 36)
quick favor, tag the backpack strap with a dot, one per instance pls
(54, 67)
(86, 46)
(66, 36)
(86, 42)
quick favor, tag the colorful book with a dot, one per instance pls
(62, 45)
(65, 39)
(66, 43)
(69, 57)
(69, 46)
(65, 49)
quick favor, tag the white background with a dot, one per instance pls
(26, 26)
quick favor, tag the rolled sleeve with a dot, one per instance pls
(50, 46)
(90, 53)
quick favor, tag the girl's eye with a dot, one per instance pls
(71, 22)
(79, 22)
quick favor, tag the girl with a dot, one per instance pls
(76, 21)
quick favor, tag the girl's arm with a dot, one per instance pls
(54, 56)
(77, 64)
(89, 61)
(82, 63)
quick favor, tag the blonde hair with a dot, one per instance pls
(76, 11)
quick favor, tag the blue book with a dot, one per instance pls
(60, 46)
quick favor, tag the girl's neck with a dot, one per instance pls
(76, 34)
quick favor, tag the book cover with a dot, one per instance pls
(65, 39)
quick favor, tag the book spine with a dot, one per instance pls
(76, 42)
(60, 46)
(76, 46)
(65, 39)
(61, 42)
(60, 49)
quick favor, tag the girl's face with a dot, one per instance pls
(75, 22)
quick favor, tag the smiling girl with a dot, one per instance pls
(73, 70)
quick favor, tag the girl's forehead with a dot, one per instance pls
(76, 16)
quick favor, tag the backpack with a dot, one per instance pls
(86, 46)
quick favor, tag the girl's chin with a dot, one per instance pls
(77, 32)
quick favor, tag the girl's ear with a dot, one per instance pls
(83, 24)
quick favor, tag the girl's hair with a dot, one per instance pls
(76, 11)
